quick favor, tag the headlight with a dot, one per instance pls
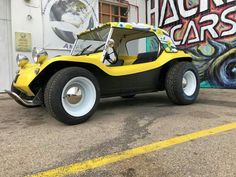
(21, 60)
(39, 55)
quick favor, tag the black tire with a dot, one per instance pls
(128, 96)
(53, 94)
(174, 83)
(23, 96)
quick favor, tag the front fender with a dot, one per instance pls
(27, 75)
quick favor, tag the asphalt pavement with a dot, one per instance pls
(31, 141)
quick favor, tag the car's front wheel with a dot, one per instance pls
(182, 83)
(71, 95)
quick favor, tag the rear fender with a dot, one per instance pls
(167, 66)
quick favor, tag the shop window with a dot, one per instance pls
(152, 4)
(153, 19)
(112, 12)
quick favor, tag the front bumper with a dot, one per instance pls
(27, 103)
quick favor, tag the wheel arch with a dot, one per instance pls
(43, 77)
(166, 67)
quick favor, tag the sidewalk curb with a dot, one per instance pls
(4, 96)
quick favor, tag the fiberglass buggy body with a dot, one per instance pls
(115, 59)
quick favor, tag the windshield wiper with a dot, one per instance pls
(98, 48)
(86, 48)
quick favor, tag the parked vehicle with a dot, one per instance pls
(115, 59)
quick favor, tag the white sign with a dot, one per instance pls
(63, 19)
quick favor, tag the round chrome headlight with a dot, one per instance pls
(21, 60)
(39, 55)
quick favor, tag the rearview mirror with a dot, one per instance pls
(111, 43)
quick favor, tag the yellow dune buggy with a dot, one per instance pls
(115, 59)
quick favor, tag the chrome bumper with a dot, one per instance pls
(27, 103)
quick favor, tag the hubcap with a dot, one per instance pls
(78, 96)
(184, 83)
(74, 95)
(189, 83)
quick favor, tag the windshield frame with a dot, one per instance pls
(110, 30)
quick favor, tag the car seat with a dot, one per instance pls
(118, 63)
(146, 57)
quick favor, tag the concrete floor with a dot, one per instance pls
(31, 141)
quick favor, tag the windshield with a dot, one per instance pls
(91, 42)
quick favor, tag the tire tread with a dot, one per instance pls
(174, 78)
(50, 100)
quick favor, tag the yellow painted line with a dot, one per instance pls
(105, 160)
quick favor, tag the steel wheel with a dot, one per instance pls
(72, 95)
(189, 83)
(78, 96)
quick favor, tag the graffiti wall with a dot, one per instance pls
(63, 19)
(207, 30)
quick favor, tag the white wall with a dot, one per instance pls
(20, 10)
(20, 23)
(141, 11)
(150, 11)
(13, 18)
(5, 46)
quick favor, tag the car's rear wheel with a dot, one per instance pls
(71, 95)
(182, 83)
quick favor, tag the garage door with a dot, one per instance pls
(5, 45)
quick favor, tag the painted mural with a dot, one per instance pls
(63, 19)
(207, 30)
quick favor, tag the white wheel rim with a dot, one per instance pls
(189, 83)
(78, 96)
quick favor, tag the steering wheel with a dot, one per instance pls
(111, 56)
